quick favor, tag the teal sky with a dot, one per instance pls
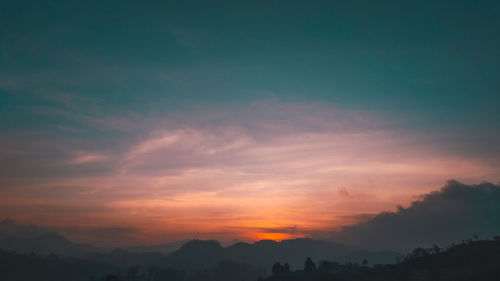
(86, 82)
(427, 57)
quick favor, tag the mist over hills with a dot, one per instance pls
(32, 238)
(10, 228)
(47, 243)
(24, 238)
(167, 248)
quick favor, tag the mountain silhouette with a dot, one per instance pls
(31, 238)
(469, 260)
(199, 254)
(192, 255)
(46, 243)
(9, 228)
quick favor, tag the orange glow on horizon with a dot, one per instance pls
(278, 237)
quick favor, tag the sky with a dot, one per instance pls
(165, 120)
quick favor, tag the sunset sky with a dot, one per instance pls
(159, 121)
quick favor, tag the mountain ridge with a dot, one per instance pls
(192, 254)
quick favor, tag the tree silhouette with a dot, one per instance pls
(286, 267)
(309, 265)
(436, 249)
(133, 273)
(112, 277)
(277, 269)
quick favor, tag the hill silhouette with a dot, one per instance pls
(47, 243)
(9, 228)
(23, 238)
(469, 260)
(192, 255)
(199, 254)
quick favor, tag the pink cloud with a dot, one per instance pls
(85, 158)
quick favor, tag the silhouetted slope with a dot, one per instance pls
(479, 260)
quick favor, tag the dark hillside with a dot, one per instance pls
(471, 260)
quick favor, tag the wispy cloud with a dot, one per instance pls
(85, 158)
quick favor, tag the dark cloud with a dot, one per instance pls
(456, 212)
(358, 218)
